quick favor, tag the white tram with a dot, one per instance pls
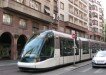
(52, 48)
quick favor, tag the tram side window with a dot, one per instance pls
(77, 49)
(97, 47)
(93, 48)
(102, 46)
(66, 47)
(85, 47)
(48, 48)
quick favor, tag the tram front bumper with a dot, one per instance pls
(26, 65)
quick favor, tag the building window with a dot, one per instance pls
(95, 29)
(48, 1)
(70, 8)
(35, 27)
(100, 17)
(20, 1)
(61, 29)
(61, 17)
(95, 22)
(100, 24)
(70, 19)
(100, 10)
(76, 21)
(45, 28)
(68, 31)
(94, 14)
(23, 23)
(90, 22)
(62, 6)
(71, 1)
(76, 11)
(46, 10)
(76, 2)
(94, 7)
(101, 31)
(7, 19)
(34, 4)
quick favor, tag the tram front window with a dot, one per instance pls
(31, 49)
(48, 47)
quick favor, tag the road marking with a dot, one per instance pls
(98, 71)
(86, 69)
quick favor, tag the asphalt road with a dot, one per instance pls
(68, 70)
(87, 70)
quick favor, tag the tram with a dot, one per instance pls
(51, 48)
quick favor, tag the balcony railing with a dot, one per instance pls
(13, 5)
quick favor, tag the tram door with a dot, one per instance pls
(66, 50)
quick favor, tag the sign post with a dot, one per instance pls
(74, 37)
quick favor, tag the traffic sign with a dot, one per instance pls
(73, 36)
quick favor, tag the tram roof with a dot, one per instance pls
(82, 39)
(59, 34)
(62, 34)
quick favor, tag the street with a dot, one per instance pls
(12, 69)
(87, 70)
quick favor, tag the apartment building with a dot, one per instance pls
(19, 19)
(104, 30)
(73, 16)
(95, 20)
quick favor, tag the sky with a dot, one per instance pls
(103, 2)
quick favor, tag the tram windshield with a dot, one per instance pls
(36, 47)
(31, 49)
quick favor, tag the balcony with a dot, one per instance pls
(15, 6)
(76, 27)
(98, 34)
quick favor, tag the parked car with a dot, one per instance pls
(99, 60)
